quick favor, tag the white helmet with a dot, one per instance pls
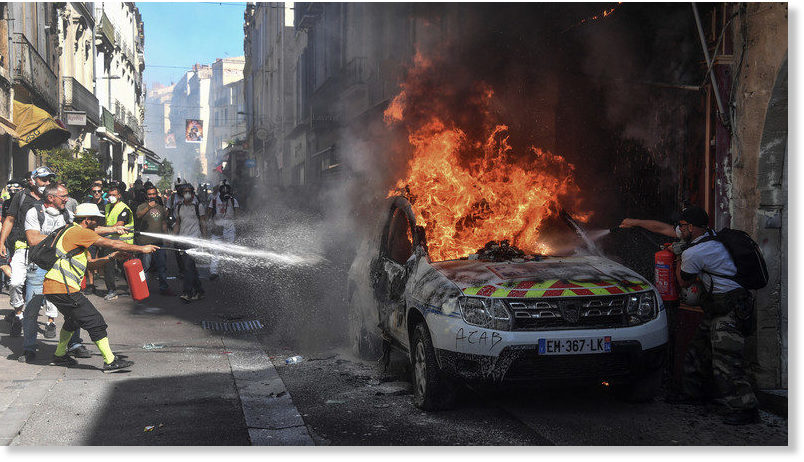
(87, 210)
(692, 295)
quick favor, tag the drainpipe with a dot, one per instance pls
(721, 111)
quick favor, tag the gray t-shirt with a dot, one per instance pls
(710, 257)
(189, 224)
(51, 222)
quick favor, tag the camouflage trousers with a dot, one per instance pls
(714, 362)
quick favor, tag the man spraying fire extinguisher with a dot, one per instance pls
(62, 286)
(728, 264)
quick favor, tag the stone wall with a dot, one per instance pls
(759, 192)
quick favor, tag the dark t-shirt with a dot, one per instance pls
(151, 222)
(18, 209)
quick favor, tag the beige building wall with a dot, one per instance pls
(759, 202)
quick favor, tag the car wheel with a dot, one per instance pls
(431, 390)
(641, 389)
(365, 345)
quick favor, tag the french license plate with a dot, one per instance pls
(574, 346)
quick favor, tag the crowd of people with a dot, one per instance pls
(93, 235)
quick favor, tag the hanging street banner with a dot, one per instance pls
(170, 141)
(194, 131)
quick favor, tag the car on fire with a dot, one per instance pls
(502, 317)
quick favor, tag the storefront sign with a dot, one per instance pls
(76, 118)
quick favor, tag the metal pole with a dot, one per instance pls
(721, 111)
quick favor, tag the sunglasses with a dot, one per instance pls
(96, 191)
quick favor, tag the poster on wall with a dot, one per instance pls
(194, 131)
(170, 141)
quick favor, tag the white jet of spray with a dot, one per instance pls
(206, 248)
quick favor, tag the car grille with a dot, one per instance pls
(570, 313)
(531, 366)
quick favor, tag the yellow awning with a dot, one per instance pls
(37, 128)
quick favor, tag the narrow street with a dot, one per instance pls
(193, 382)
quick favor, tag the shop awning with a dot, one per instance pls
(37, 129)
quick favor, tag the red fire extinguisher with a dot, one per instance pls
(665, 274)
(136, 279)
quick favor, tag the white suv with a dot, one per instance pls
(526, 319)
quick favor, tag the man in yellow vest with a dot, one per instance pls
(62, 285)
(117, 214)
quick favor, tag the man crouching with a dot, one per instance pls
(62, 285)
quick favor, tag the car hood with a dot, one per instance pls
(548, 277)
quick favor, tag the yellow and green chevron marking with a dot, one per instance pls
(557, 288)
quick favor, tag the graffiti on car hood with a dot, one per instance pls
(549, 277)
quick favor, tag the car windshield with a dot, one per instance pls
(562, 236)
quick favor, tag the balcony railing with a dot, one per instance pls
(31, 70)
(356, 71)
(79, 98)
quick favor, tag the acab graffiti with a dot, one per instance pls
(477, 337)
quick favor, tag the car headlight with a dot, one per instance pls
(488, 313)
(642, 308)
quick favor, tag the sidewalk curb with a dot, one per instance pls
(271, 417)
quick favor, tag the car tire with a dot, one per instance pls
(432, 391)
(365, 345)
(641, 389)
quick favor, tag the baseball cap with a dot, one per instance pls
(88, 209)
(42, 172)
(695, 216)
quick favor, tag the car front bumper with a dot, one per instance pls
(523, 364)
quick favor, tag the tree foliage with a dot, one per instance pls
(165, 175)
(76, 168)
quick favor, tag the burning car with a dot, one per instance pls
(503, 316)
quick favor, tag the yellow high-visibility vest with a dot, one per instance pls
(69, 271)
(111, 219)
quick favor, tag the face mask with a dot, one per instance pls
(112, 199)
(52, 211)
(188, 196)
(40, 189)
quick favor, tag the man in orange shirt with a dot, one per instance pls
(62, 285)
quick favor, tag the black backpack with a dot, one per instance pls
(44, 253)
(752, 273)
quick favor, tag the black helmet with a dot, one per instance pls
(225, 190)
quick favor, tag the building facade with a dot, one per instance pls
(199, 122)
(228, 118)
(75, 75)
(120, 90)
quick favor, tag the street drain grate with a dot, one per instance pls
(238, 326)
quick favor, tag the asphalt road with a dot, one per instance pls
(198, 386)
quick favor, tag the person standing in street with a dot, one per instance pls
(152, 217)
(14, 230)
(223, 210)
(95, 197)
(40, 221)
(62, 285)
(117, 214)
(715, 355)
(190, 222)
(12, 187)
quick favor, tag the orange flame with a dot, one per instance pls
(494, 195)
(603, 14)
